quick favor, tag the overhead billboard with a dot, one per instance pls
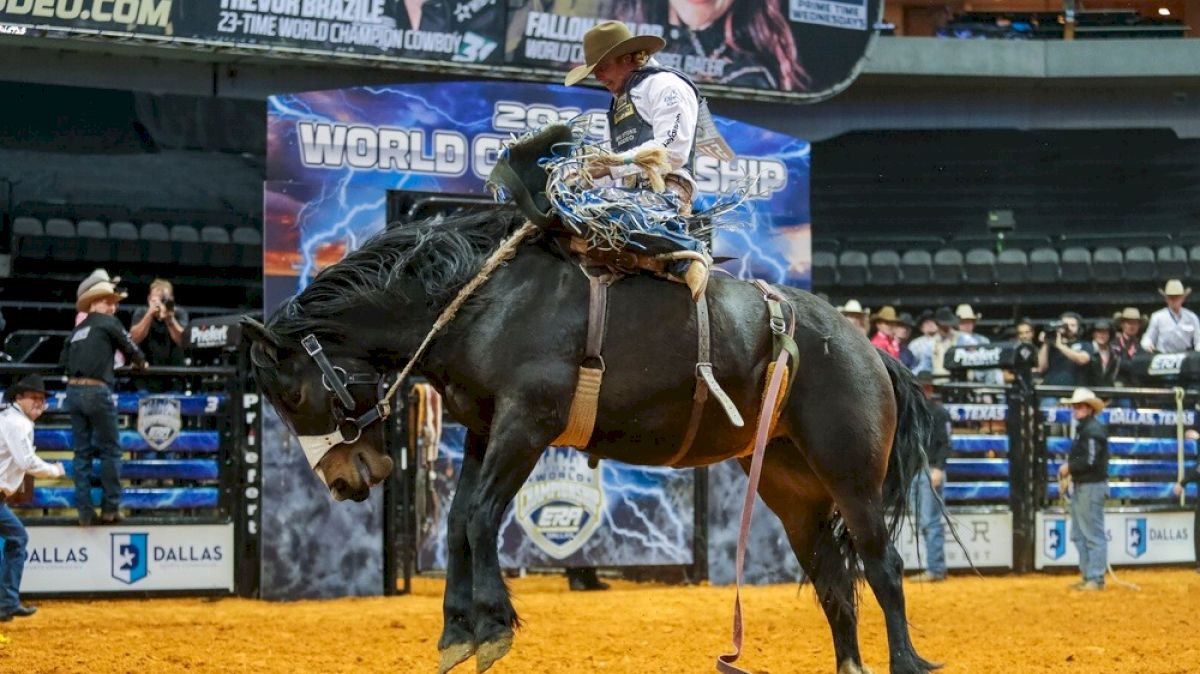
(802, 48)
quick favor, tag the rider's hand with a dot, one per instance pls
(1177, 489)
(1064, 470)
(597, 170)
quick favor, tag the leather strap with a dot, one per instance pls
(700, 394)
(597, 315)
(622, 260)
(581, 419)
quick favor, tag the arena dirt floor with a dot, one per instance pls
(993, 624)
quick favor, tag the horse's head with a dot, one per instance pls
(330, 401)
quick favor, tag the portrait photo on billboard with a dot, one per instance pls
(734, 43)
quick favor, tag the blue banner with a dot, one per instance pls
(164, 469)
(192, 442)
(63, 498)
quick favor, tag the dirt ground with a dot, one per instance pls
(994, 624)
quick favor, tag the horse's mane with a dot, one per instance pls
(441, 254)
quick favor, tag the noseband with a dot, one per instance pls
(347, 430)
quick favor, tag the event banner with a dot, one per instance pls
(807, 48)
(1133, 538)
(129, 558)
(986, 541)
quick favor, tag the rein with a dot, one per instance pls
(347, 430)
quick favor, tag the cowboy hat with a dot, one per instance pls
(964, 312)
(98, 276)
(1102, 324)
(99, 291)
(1174, 288)
(29, 384)
(1129, 314)
(887, 314)
(945, 318)
(610, 39)
(853, 307)
(906, 319)
(1084, 396)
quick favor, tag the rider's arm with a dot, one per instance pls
(672, 109)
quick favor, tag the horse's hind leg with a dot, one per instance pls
(457, 642)
(794, 494)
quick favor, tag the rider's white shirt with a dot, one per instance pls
(671, 108)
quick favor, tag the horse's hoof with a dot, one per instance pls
(491, 651)
(848, 667)
(454, 655)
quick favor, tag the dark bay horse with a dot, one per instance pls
(848, 443)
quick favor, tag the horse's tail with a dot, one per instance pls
(914, 429)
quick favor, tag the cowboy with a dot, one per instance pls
(885, 337)
(1087, 469)
(653, 107)
(925, 494)
(26, 401)
(967, 318)
(922, 345)
(1107, 361)
(856, 314)
(903, 329)
(88, 361)
(947, 336)
(1173, 329)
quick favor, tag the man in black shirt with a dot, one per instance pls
(1192, 477)
(158, 329)
(1087, 466)
(87, 357)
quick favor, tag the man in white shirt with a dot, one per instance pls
(26, 401)
(653, 107)
(1173, 329)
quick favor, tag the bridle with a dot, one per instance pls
(347, 430)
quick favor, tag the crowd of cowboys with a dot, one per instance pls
(97, 345)
(1071, 351)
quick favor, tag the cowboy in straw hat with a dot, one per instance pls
(885, 332)
(1173, 329)
(27, 401)
(1087, 469)
(88, 359)
(857, 315)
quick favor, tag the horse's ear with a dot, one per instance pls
(257, 332)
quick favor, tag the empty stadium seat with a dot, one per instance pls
(64, 244)
(852, 269)
(156, 243)
(1012, 267)
(824, 270)
(1194, 259)
(93, 237)
(1076, 265)
(220, 252)
(980, 266)
(1108, 265)
(885, 268)
(948, 267)
(1140, 264)
(124, 237)
(249, 244)
(1043, 265)
(185, 245)
(916, 267)
(1172, 262)
(29, 238)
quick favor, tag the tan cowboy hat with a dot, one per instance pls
(1174, 288)
(964, 312)
(99, 291)
(853, 307)
(610, 38)
(94, 278)
(1129, 314)
(887, 314)
(1084, 396)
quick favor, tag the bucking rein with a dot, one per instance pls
(582, 417)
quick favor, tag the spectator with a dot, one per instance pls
(967, 318)
(1087, 468)
(1063, 357)
(1173, 329)
(1192, 477)
(26, 401)
(87, 359)
(1107, 361)
(925, 495)
(1025, 331)
(1126, 343)
(158, 327)
(903, 331)
(856, 313)
(922, 346)
(947, 336)
(885, 332)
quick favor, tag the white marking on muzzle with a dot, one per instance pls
(317, 446)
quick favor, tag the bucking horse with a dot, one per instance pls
(837, 466)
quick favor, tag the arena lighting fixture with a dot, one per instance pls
(1163, 11)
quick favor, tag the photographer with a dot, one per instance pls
(1064, 355)
(158, 327)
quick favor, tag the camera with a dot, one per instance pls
(1056, 326)
(168, 303)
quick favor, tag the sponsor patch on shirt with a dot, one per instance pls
(623, 109)
(81, 334)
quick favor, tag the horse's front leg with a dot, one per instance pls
(458, 637)
(513, 450)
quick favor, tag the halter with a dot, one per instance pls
(335, 379)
